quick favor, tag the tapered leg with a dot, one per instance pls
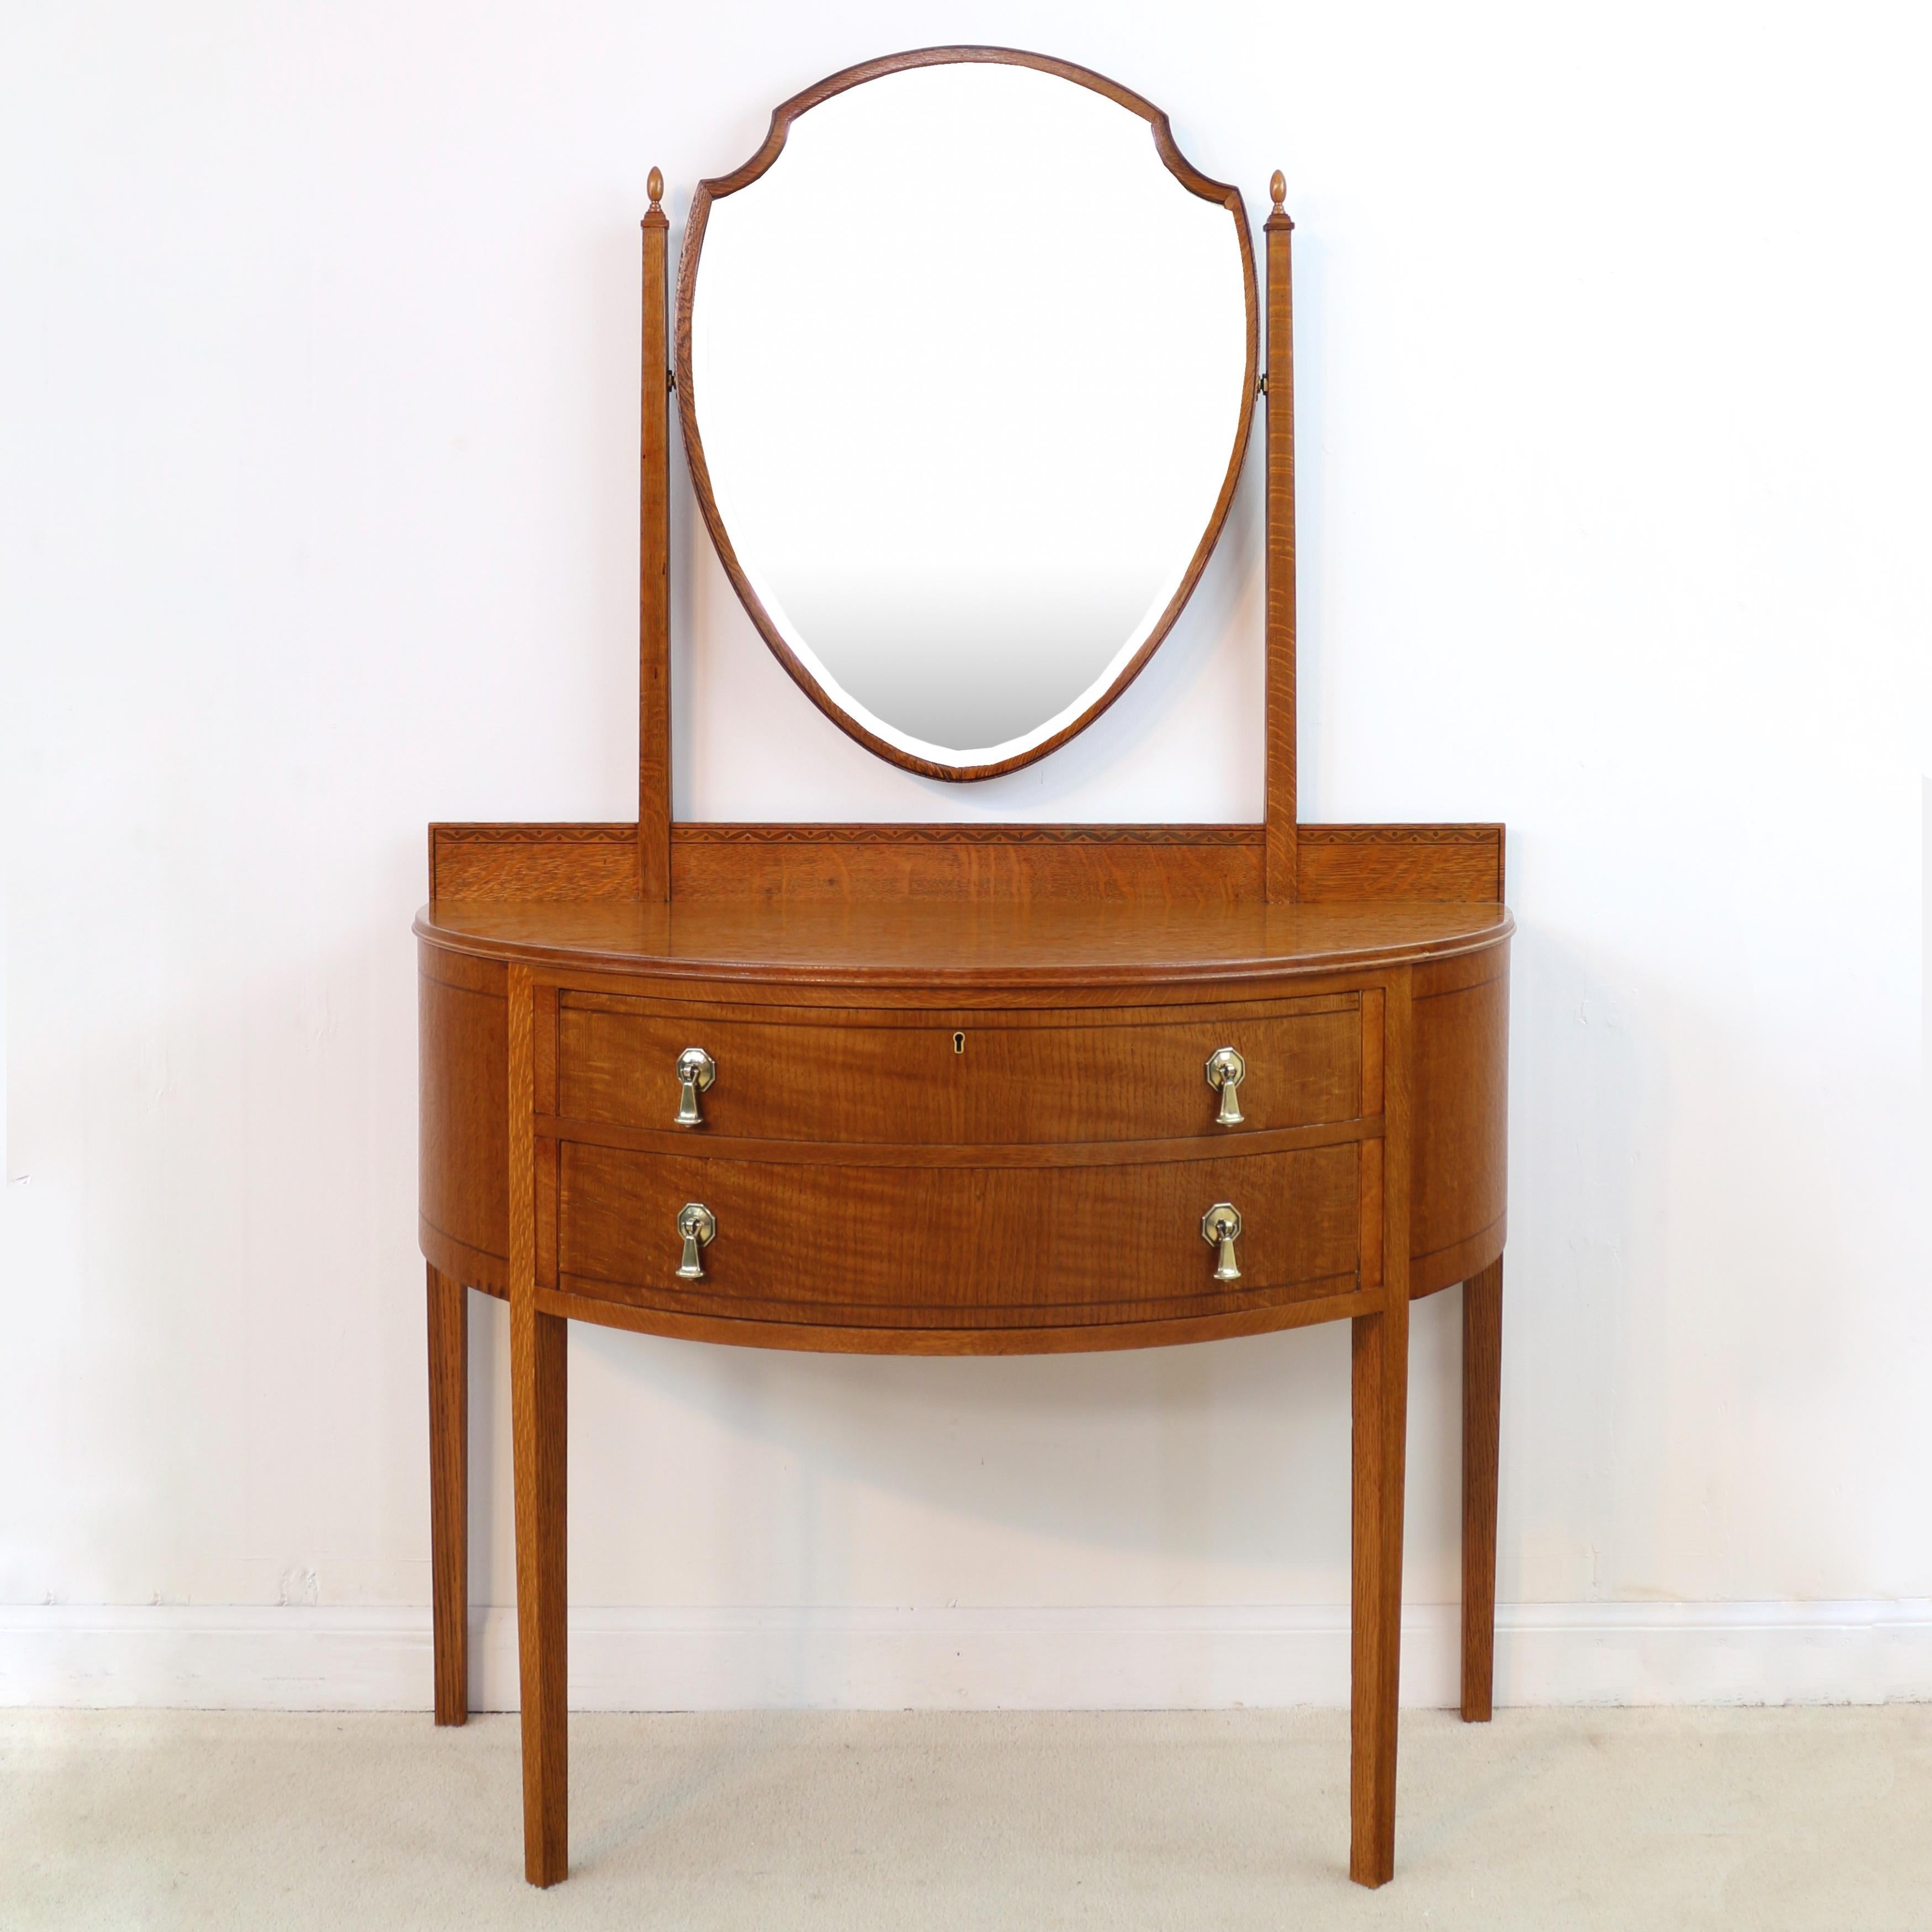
(538, 1404)
(449, 1494)
(1482, 1412)
(1380, 1421)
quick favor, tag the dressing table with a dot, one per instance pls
(966, 357)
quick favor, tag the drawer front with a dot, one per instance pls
(963, 1080)
(904, 1245)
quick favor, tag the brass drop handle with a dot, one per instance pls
(696, 1070)
(1220, 1228)
(1226, 1070)
(698, 1225)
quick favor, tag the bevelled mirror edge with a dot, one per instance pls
(1139, 646)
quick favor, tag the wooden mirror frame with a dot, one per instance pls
(715, 187)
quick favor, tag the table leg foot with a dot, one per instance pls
(1381, 1403)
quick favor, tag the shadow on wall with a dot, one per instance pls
(223, 1187)
(1587, 1080)
(1683, 1341)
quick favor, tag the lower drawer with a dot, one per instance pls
(872, 1244)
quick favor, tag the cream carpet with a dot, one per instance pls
(1813, 1818)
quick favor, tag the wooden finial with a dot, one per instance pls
(654, 186)
(1278, 188)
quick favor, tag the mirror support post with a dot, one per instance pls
(1282, 817)
(654, 569)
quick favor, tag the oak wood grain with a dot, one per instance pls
(538, 1432)
(563, 863)
(474, 1268)
(1182, 865)
(1461, 1137)
(790, 1074)
(1348, 864)
(449, 1494)
(681, 1142)
(654, 746)
(462, 1225)
(772, 1005)
(461, 1114)
(1380, 1357)
(960, 1246)
(537, 1397)
(1282, 811)
(1482, 1423)
(870, 1339)
(1373, 1046)
(1455, 973)
(467, 972)
(1374, 1210)
(941, 950)
(1443, 1268)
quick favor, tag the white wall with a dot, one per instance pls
(319, 370)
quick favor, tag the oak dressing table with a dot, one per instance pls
(965, 1088)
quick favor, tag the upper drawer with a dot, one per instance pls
(961, 1079)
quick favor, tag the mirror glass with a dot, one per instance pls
(967, 369)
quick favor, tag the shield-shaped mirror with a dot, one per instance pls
(966, 360)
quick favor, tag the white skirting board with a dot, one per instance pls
(997, 1658)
